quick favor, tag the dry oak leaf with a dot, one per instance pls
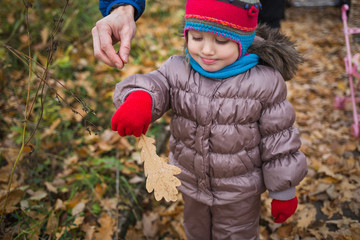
(106, 229)
(160, 175)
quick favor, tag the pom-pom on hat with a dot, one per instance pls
(232, 19)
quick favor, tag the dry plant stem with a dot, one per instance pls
(27, 109)
(25, 115)
(43, 78)
(117, 202)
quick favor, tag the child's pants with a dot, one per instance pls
(238, 221)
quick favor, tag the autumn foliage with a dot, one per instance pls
(77, 179)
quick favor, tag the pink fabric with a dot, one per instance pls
(225, 12)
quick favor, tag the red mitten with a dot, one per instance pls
(134, 115)
(282, 210)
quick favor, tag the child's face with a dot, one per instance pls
(211, 51)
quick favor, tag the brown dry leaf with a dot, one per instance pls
(160, 175)
(38, 195)
(150, 224)
(50, 187)
(13, 199)
(29, 148)
(59, 234)
(59, 205)
(108, 204)
(306, 215)
(106, 229)
(89, 230)
(79, 208)
(104, 146)
(134, 234)
(285, 231)
(5, 173)
(99, 190)
(78, 197)
(52, 223)
(77, 222)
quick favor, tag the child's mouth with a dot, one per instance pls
(208, 61)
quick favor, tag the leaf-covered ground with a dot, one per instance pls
(72, 185)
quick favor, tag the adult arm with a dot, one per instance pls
(117, 26)
(105, 6)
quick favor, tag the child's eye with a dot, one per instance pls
(222, 41)
(197, 38)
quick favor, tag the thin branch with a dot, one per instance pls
(25, 115)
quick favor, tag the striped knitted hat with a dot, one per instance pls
(232, 19)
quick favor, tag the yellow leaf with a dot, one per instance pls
(29, 148)
(160, 175)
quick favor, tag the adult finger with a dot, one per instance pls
(125, 46)
(98, 53)
(107, 47)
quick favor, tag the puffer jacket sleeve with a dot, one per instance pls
(155, 83)
(106, 5)
(284, 166)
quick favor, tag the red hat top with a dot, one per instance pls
(233, 19)
(241, 15)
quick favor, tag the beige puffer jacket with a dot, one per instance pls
(232, 138)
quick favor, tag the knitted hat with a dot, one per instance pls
(232, 19)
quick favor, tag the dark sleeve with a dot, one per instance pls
(106, 5)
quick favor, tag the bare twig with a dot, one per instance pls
(25, 115)
(59, 98)
(40, 88)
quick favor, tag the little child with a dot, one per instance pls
(232, 132)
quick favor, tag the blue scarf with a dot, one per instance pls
(239, 66)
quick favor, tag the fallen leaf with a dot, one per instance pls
(88, 230)
(29, 148)
(38, 195)
(50, 187)
(106, 229)
(160, 175)
(150, 224)
(108, 204)
(99, 191)
(306, 215)
(79, 208)
(52, 224)
(13, 199)
(59, 205)
(77, 198)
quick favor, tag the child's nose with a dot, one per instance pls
(208, 48)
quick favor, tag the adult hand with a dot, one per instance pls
(118, 26)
